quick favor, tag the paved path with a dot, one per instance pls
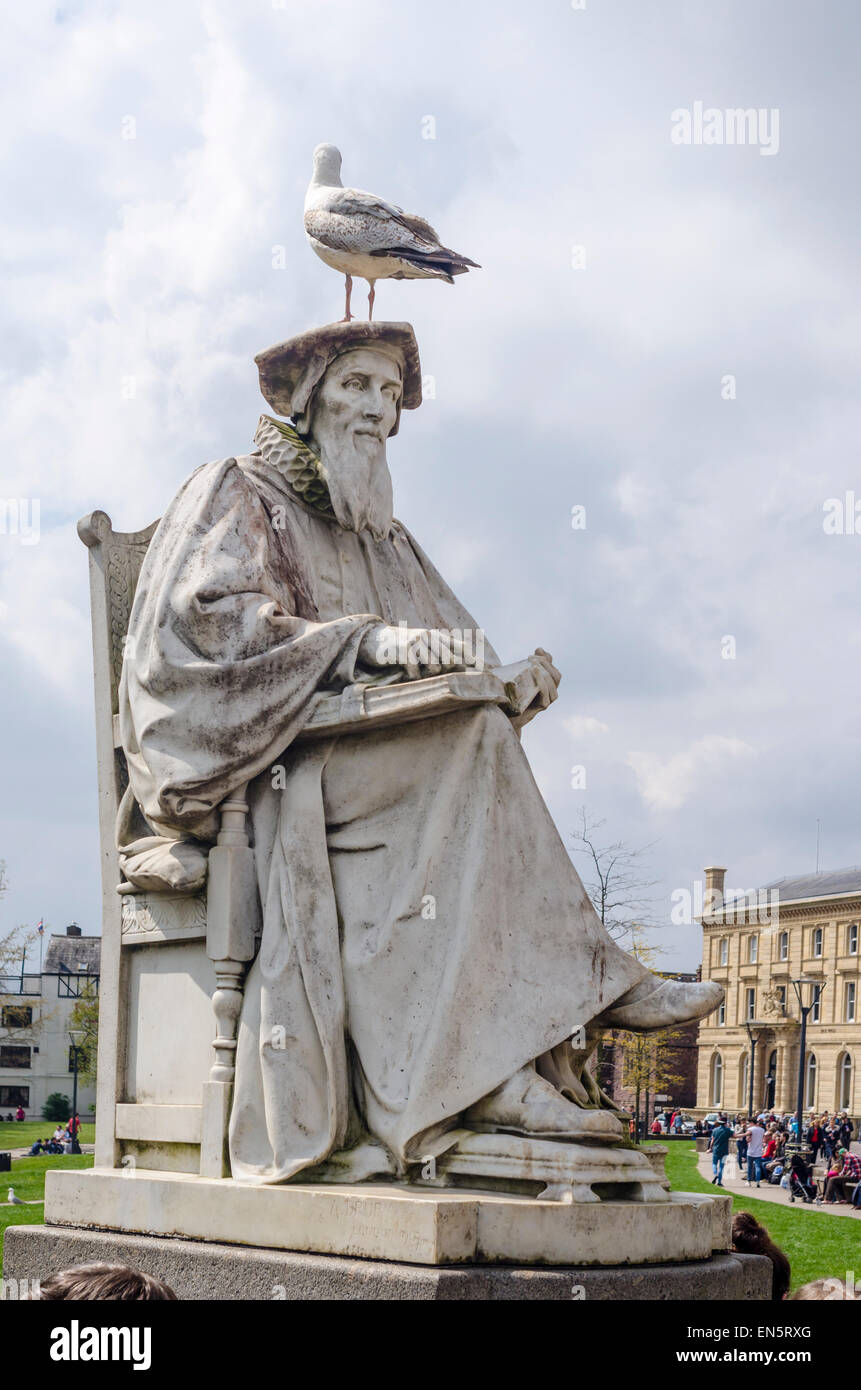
(733, 1183)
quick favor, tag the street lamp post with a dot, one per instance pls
(816, 987)
(76, 1035)
(751, 1024)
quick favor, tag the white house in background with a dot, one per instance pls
(35, 1017)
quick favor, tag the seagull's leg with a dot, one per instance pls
(347, 314)
(371, 297)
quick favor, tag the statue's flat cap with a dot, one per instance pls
(289, 371)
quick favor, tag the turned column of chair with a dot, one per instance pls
(232, 922)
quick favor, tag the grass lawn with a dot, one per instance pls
(28, 1180)
(15, 1134)
(818, 1244)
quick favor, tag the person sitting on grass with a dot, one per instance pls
(750, 1238)
(39, 1147)
(839, 1177)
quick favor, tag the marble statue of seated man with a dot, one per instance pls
(428, 949)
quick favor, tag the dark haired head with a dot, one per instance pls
(749, 1238)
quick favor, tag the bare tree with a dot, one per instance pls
(615, 879)
(16, 1013)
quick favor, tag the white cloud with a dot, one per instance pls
(581, 726)
(666, 784)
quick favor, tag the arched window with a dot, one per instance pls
(844, 1082)
(717, 1079)
(852, 938)
(724, 950)
(810, 1081)
(817, 941)
(744, 1081)
(783, 946)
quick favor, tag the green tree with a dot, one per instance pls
(85, 1016)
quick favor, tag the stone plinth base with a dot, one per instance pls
(208, 1271)
(406, 1224)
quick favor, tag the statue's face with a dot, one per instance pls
(358, 396)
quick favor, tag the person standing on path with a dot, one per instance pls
(755, 1136)
(721, 1136)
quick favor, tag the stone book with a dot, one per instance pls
(371, 707)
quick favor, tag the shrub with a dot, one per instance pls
(57, 1107)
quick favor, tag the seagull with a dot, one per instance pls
(13, 1200)
(360, 234)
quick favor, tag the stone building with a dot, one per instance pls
(35, 1018)
(755, 945)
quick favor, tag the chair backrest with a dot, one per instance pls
(115, 564)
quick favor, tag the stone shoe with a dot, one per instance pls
(527, 1104)
(657, 1003)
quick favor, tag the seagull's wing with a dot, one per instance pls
(348, 219)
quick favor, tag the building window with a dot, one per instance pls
(817, 941)
(783, 946)
(16, 1016)
(816, 1010)
(844, 1082)
(717, 1079)
(810, 1082)
(850, 1001)
(750, 1011)
(13, 1096)
(744, 1080)
(724, 950)
(753, 949)
(722, 1013)
(771, 1081)
(11, 1056)
(781, 994)
(852, 939)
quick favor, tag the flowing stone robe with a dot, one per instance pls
(425, 932)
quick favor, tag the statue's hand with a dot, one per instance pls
(420, 651)
(546, 683)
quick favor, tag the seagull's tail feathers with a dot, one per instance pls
(438, 264)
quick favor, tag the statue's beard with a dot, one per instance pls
(359, 482)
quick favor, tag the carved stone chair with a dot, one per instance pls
(171, 964)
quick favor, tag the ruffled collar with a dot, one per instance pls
(283, 447)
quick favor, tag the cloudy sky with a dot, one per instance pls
(662, 333)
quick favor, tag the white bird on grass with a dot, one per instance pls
(360, 234)
(13, 1200)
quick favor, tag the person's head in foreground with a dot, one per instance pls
(97, 1282)
(749, 1238)
(826, 1289)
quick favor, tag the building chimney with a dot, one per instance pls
(713, 898)
(73, 929)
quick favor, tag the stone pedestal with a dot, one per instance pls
(209, 1271)
(409, 1224)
